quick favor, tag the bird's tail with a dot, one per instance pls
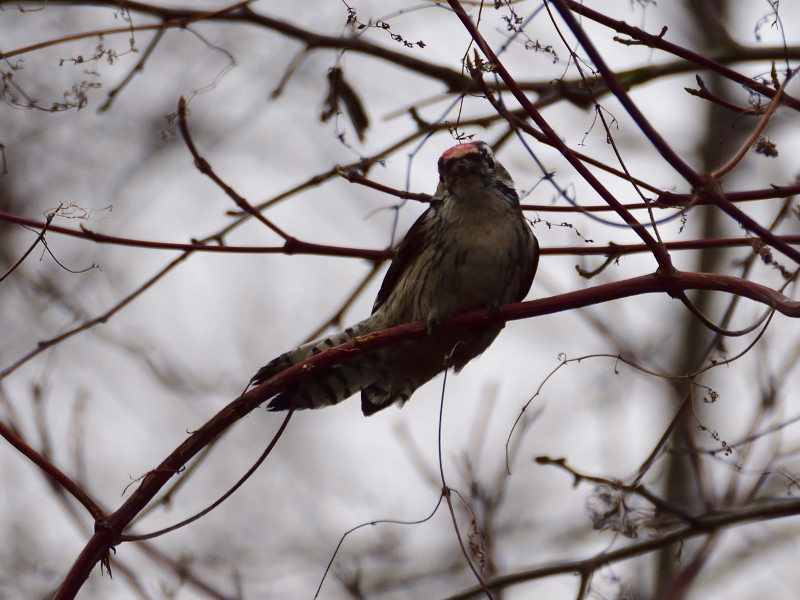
(324, 388)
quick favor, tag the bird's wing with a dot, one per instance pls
(528, 277)
(408, 251)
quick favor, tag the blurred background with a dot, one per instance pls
(108, 403)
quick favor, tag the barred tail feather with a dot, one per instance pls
(324, 388)
(384, 377)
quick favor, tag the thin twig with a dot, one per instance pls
(754, 135)
(112, 94)
(446, 492)
(225, 496)
(52, 471)
(205, 168)
(39, 238)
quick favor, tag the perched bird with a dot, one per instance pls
(471, 249)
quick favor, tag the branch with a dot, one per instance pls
(756, 133)
(702, 183)
(52, 471)
(290, 247)
(455, 81)
(659, 252)
(775, 191)
(241, 13)
(620, 91)
(378, 256)
(706, 524)
(39, 238)
(731, 53)
(706, 94)
(107, 533)
(205, 168)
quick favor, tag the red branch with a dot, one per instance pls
(52, 471)
(381, 255)
(107, 532)
(291, 246)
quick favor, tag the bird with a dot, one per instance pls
(471, 249)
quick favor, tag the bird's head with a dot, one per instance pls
(471, 167)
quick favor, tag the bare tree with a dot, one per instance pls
(630, 434)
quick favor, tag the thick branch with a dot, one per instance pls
(108, 532)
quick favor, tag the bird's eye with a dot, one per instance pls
(490, 162)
